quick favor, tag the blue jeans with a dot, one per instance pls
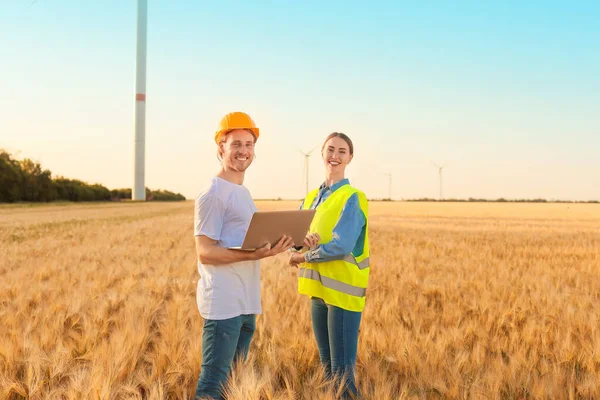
(336, 332)
(223, 342)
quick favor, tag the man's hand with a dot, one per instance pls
(311, 241)
(295, 259)
(284, 244)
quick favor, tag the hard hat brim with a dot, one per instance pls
(220, 133)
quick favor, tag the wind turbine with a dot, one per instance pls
(306, 156)
(440, 168)
(389, 185)
(139, 186)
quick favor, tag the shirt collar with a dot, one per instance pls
(336, 185)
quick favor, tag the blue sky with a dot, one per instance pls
(506, 94)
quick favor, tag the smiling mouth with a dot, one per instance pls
(334, 163)
(242, 158)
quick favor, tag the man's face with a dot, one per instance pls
(238, 150)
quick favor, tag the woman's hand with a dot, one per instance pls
(295, 259)
(311, 241)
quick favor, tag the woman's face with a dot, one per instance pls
(336, 155)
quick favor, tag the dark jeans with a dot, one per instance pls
(336, 331)
(223, 342)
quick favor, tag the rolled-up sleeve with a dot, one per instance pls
(345, 234)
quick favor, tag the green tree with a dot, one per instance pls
(37, 184)
(10, 178)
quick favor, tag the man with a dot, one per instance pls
(228, 292)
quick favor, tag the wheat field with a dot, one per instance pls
(465, 301)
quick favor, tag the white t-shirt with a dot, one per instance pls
(223, 213)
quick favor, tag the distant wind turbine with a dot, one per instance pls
(440, 168)
(306, 156)
(389, 185)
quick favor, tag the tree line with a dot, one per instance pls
(26, 180)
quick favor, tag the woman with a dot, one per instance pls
(334, 272)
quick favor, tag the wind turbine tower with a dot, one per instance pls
(440, 168)
(389, 186)
(139, 185)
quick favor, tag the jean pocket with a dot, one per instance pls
(209, 325)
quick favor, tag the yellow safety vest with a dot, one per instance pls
(342, 283)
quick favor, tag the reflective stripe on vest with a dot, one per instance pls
(332, 283)
(361, 265)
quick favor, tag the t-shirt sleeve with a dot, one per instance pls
(209, 212)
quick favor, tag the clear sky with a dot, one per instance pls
(506, 94)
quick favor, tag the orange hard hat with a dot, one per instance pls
(235, 120)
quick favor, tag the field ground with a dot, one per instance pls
(466, 300)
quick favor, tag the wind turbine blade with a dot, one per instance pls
(309, 153)
(300, 151)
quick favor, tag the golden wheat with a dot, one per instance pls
(496, 301)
